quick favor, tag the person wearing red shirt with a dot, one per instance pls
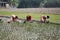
(14, 17)
(28, 18)
(43, 18)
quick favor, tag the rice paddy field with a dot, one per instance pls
(35, 16)
(30, 31)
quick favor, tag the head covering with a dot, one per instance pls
(14, 15)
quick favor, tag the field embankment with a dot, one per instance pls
(40, 10)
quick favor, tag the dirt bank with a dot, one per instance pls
(39, 10)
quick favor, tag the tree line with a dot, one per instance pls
(34, 3)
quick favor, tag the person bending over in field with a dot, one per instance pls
(14, 17)
(43, 19)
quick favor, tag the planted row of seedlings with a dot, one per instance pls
(29, 31)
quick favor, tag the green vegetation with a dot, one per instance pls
(38, 3)
(31, 31)
(35, 16)
(17, 31)
(13, 3)
(34, 3)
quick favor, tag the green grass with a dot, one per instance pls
(35, 16)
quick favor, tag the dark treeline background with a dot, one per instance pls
(38, 3)
(35, 3)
